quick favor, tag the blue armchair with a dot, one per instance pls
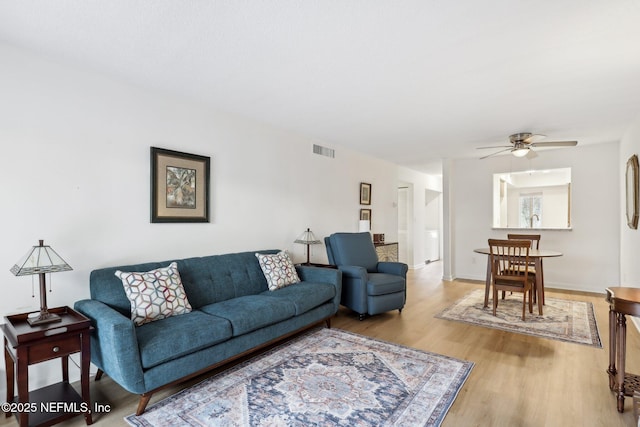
(368, 286)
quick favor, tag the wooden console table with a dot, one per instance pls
(622, 301)
(387, 251)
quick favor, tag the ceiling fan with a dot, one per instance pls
(523, 142)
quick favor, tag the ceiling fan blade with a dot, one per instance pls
(555, 144)
(497, 152)
(533, 138)
(495, 146)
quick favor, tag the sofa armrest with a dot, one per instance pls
(322, 275)
(318, 274)
(390, 267)
(114, 346)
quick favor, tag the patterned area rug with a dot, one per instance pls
(325, 378)
(564, 320)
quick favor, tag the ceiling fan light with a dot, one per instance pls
(520, 152)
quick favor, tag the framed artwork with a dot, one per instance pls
(632, 191)
(179, 186)
(365, 215)
(365, 193)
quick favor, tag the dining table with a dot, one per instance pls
(535, 255)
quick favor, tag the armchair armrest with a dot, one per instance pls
(114, 345)
(390, 267)
(354, 272)
(354, 293)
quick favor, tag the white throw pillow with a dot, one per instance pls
(155, 294)
(278, 270)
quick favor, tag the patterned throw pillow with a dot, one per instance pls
(278, 270)
(155, 294)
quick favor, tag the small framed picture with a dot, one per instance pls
(365, 193)
(365, 215)
(179, 186)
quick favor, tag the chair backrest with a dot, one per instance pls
(507, 258)
(533, 238)
(352, 249)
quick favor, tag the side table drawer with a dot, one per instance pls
(53, 349)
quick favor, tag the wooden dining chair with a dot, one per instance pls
(507, 273)
(535, 244)
(534, 238)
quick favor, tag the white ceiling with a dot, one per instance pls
(407, 81)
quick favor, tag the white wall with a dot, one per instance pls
(629, 239)
(75, 161)
(591, 249)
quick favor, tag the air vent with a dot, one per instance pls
(324, 151)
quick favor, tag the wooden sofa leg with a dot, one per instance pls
(328, 322)
(142, 404)
(99, 374)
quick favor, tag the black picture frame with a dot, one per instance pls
(179, 186)
(365, 215)
(365, 193)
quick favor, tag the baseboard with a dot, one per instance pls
(636, 322)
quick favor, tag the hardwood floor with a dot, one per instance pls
(517, 380)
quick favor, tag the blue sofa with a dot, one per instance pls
(233, 314)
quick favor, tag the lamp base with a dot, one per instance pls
(43, 318)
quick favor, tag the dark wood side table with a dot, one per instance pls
(26, 345)
(622, 301)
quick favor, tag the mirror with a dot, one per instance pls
(632, 192)
(532, 199)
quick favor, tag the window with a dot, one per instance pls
(530, 209)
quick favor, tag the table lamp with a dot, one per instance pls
(40, 260)
(307, 238)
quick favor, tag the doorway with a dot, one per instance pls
(432, 225)
(405, 225)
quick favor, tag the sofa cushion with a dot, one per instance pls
(155, 294)
(305, 295)
(176, 336)
(216, 278)
(278, 269)
(251, 312)
(382, 284)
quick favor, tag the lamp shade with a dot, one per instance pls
(40, 259)
(307, 238)
(520, 152)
